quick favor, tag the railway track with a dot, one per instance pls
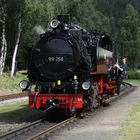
(40, 129)
(12, 96)
(36, 130)
(124, 91)
(45, 133)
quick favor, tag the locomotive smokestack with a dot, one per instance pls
(38, 30)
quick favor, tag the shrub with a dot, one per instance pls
(133, 75)
(7, 82)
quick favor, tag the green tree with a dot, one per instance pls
(129, 35)
(83, 12)
(3, 45)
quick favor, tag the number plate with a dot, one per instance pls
(55, 59)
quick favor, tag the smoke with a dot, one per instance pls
(38, 30)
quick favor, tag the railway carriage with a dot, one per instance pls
(68, 68)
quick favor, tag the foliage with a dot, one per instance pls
(11, 83)
(118, 18)
(133, 75)
(133, 81)
(129, 35)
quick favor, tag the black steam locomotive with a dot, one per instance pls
(68, 66)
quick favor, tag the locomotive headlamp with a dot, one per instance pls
(75, 77)
(58, 82)
(54, 23)
(86, 85)
(24, 84)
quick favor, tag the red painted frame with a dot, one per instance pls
(66, 100)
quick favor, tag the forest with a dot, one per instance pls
(118, 18)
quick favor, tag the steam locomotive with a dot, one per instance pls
(67, 68)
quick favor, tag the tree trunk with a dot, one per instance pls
(15, 50)
(5, 53)
(3, 48)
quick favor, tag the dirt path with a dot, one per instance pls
(103, 123)
(8, 91)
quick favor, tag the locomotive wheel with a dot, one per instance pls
(79, 113)
(104, 103)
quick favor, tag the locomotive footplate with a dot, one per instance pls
(43, 101)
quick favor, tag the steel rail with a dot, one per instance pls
(45, 132)
(20, 130)
(12, 96)
(51, 129)
(124, 91)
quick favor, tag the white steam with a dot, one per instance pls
(38, 30)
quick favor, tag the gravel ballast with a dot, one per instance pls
(16, 113)
(103, 123)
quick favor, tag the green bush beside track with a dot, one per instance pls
(12, 83)
(133, 75)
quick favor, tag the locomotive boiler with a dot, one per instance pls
(67, 68)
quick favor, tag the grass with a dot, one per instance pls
(7, 82)
(133, 81)
(13, 110)
(131, 128)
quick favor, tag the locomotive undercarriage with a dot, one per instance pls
(73, 101)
